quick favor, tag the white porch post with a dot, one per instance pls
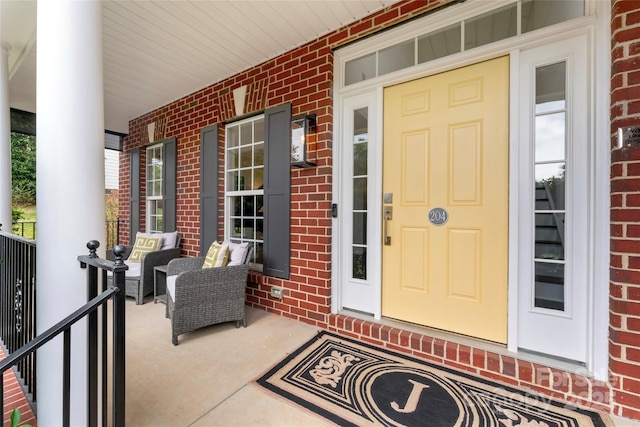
(70, 187)
(5, 141)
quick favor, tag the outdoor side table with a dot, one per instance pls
(160, 284)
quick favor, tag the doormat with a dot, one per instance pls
(354, 384)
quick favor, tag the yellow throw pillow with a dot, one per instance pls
(217, 256)
(143, 246)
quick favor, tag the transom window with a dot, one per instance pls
(502, 23)
(154, 189)
(244, 178)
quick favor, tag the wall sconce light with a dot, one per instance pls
(303, 151)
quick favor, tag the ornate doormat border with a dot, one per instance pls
(356, 384)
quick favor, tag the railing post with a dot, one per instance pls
(92, 338)
(118, 401)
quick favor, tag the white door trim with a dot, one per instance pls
(597, 23)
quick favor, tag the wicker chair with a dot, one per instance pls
(205, 296)
(139, 282)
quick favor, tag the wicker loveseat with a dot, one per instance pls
(139, 278)
(199, 297)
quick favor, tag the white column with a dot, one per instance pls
(70, 186)
(5, 141)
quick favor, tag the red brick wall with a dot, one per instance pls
(624, 327)
(304, 77)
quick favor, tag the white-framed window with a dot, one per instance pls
(154, 189)
(244, 179)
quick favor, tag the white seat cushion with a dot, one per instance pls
(171, 286)
(133, 271)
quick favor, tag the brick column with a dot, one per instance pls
(624, 325)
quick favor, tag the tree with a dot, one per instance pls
(23, 168)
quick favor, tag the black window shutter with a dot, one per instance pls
(277, 192)
(169, 172)
(134, 194)
(208, 187)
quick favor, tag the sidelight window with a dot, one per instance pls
(360, 182)
(550, 166)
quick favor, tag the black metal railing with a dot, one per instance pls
(28, 229)
(25, 229)
(98, 348)
(18, 302)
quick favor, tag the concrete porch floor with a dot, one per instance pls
(207, 380)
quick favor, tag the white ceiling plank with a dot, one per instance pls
(157, 51)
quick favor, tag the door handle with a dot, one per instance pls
(387, 213)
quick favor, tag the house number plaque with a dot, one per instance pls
(438, 216)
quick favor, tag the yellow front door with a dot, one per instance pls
(446, 186)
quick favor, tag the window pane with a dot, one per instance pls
(248, 229)
(232, 159)
(236, 229)
(359, 263)
(549, 236)
(496, 25)
(259, 252)
(541, 13)
(439, 44)
(258, 179)
(551, 87)
(232, 181)
(549, 286)
(259, 229)
(260, 205)
(246, 157)
(246, 134)
(360, 69)
(550, 186)
(359, 228)
(245, 180)
(360, 159)
(258, 155)
(233, 136)
(396, 57)
(360, 139)
(247, 206)
(258, 130)
(550, 137)
(237, 205)
(152, 226)
(360, 194)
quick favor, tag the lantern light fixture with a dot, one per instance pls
(303, 141)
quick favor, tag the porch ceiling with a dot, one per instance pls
(158, 51)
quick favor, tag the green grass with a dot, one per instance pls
(28, 212)
(29, 216)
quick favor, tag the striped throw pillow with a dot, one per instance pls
(217, 256)
(143, 246)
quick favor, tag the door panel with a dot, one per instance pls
(446, 146)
